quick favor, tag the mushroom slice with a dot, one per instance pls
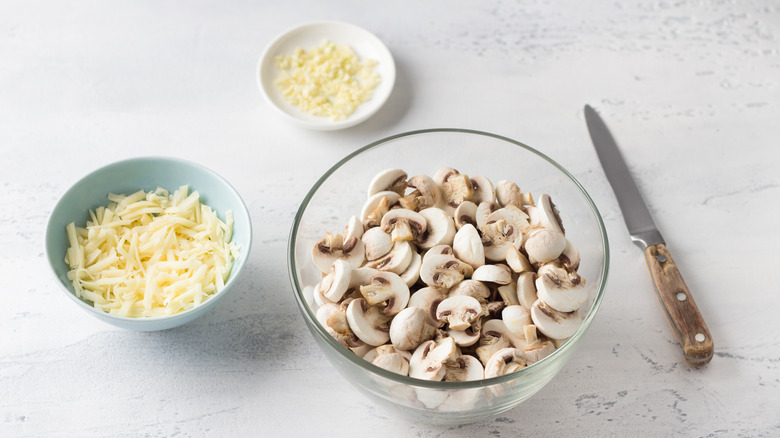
(562, 289)
(410, 328)
(439, 228)
(526, 289)
(426, 194)
(553, 323)
(387, 291)
(483, 190)
(498, 273)
(333, 319)
(318, 297)
(504, 228)
(456, 189)
(544, 245)
(505, 361)
(508, 193)
(467, 337)
(516, 260)
(412, 272)
(463, 369)
(428, 299)
(495, 336)
(377, 243)
(376, 206)
(354, 228)
(444, 271)
(467, 246)
(428, 359)
(403, 224)
(336, 283)
(508, 294)
(390, 358)
(333, 247)
(515, 318)
(466, 213)
(546, 214)
(438, 249)
(443, 174)
(460, 312)
(484, 210)
(570, 257)
(472, 288)
(393, 180)
(536, 349)
(369, 323)
(396, 261)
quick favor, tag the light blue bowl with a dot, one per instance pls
(129, 176)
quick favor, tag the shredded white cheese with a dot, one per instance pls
(151, 254)
(329, 80)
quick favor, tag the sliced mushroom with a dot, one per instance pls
(387, 291)
(508, 193)
(403, 224)
(463, 369)
(426, 194)
(369, 323)
(505, 361)
(443, 174)
(429, 358)
(390, 358)
(467, 246)
(544, 245)
(484, 210)
(495, 336)
(526, 289)
(318, 297)
(333, 247)
(428, 299)
(536, 349)
(393, 180)
(377, 243)
(517, 260)
(482, 190)
(560, 288)
(335, 284)
(376, 206)
(396, 261)
(546, 214)
(333, 319)
(469, 336)
(504, 228)
(498, 273)
(444, 271)
(515, 318)
(439, 228)
(412, 272)
(553, 323)
(466, 213)
(438, 249)
(570, 257)
(410, 328)
(354, 228)
(460, 312)
(508, 294)
(456, 189)
(472, 288)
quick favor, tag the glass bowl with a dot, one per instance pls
(341, 192)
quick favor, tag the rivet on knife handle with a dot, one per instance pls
(681, 310)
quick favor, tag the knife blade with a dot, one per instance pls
(681, 311)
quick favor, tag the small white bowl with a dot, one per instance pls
(311, 35)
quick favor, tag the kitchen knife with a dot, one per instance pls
(675, 298)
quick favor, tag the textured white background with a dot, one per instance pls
(690, 89)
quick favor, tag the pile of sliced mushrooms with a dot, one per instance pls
(449, 278)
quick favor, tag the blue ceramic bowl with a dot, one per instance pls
(129, 176)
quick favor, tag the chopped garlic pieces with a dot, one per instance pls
(329, 80)
(150, 254)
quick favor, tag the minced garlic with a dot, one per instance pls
(150, 254)
(329, 80)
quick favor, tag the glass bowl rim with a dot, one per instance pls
(311, 319)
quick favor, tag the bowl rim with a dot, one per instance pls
(308, 315)
(139, 321)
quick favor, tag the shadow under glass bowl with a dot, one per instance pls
(341, 192)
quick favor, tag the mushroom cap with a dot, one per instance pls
(553, 323)
(505, 361)
(467, 246)
(393, 180)
(377, 243)
(560, 288)
(395, 261)
(544, 245)
(354, 228)
(483, 190)
(459, 311)
(386, 290)
(368, 323)
(463, 369)
(526, 289)
(484, 210)
(412, 272)
(439, 229)
(515, 319)
(444, 271)
(428, 359)
(466, 213)
(336, 283)
(393, 362)
(403, 224)
(410, 328)
(546, 214)
(498, 273)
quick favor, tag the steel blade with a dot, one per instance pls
(635, 213)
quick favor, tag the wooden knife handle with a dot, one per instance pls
(681, 311)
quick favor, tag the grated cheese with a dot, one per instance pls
(329, 80)
(150, 254)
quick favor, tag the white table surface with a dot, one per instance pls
(690, 89)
